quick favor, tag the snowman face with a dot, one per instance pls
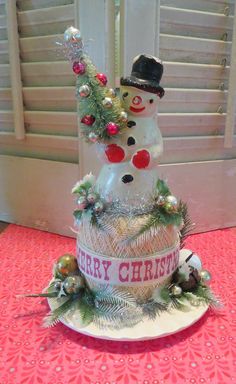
(138, 102)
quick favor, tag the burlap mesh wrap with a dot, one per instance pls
(112, 242)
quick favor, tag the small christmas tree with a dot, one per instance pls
(100, 109)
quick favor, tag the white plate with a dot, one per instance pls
(165, 324)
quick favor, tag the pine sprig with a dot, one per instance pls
(116, 309)
(206, 296)
(113, 297)
(187, 223)
(55, 315)
(158, 217)
(86, 311)
(152, 309)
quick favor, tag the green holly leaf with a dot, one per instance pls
(77, 214)
(162, 188)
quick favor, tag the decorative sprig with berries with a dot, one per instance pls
(100, 111)
(88, 201)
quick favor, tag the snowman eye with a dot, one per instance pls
(125, 94)
(151, 101)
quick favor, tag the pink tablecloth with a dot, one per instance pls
(31, 354)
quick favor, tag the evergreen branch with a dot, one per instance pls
(86, 311)
(177, 303)
(114, 297)
(55, 315)
(152, 222)
(205, 295)
(187, 223)
(162, 188)
(106, 318)
(48, 294)
(152, 309)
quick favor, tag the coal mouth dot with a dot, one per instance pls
(131, 124)
(131, 141)
(127, 179)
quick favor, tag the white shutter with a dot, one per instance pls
(195, 44)
(44, 166)
(193, 38)
(47, 84)
(37, 172)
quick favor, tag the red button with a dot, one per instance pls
(114, 153)
(141, 159)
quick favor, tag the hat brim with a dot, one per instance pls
(145, 85)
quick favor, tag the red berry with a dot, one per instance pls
(114, 153)
(102, 78)
(79, 68)
(112, 128)
(88, 119)
(141, 159)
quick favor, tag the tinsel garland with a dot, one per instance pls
(160, 212)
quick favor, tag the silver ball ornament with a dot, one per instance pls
(176, 290)
(84, 90)
(93, 137)
(124, 116)
(172, 200)
(98, 206)
(72, 35)
(205, 275)
(91, 198)
(81, 203)
(160, 200)
(57, 285)
(73, 284)
(107, 102)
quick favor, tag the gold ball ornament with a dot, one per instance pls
(205, 275)
(73, 284)
(107, 102)
(112, 92)
(124, 116)
(176, 290)
(66, 264)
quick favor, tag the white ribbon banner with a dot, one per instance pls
(144, 270)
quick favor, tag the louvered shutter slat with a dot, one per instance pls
(177, 124)
(216, 6)
(188, 22)
(51, 122)
(47, 74)
(41, 48)
(25, 5)
(192, 75)
(193, 49)
(45, 21)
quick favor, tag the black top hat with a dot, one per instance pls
(146, 74)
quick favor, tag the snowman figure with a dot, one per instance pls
(129, 173)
